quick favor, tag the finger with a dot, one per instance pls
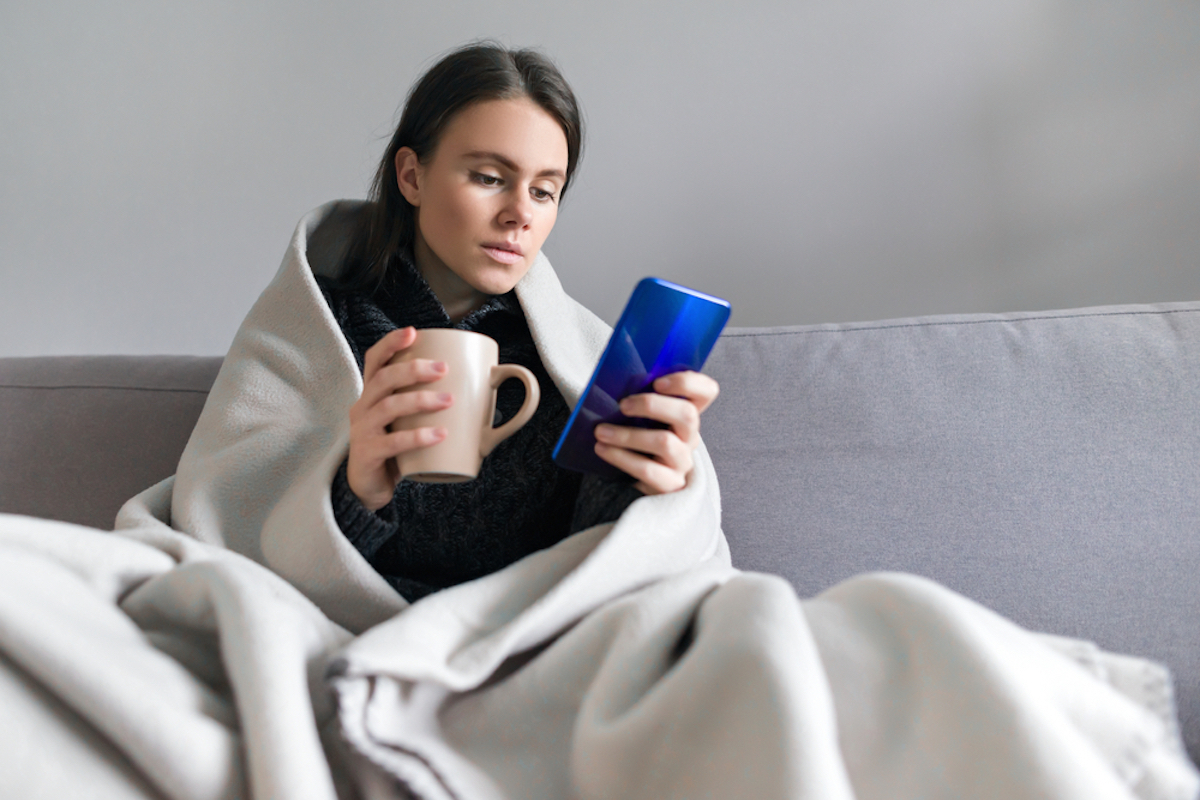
(370, 450)
(372, 471)
(701, 389)
(393, 378)
(660, 444)
(383, 350)
(397, 442)
(651, 476)
(679, 414)
(396, 406)
(377, 450)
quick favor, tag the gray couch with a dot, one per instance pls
(1046, 465)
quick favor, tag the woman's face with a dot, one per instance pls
(487, 199)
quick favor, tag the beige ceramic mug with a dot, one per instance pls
(473, 375)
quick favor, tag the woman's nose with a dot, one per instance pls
(519, 210)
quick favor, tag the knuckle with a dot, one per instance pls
(661, 441)
(394, 374)
(401, 441)
(680, 451)
(669, 481)
(393, 405)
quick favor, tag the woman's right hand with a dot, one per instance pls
(371, 468)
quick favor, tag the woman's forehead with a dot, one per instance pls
(517, 131)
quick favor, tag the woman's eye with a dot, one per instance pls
(541, 194)
(486, 180)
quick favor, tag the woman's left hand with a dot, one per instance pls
(660, 459)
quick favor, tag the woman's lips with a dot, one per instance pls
(503, 253)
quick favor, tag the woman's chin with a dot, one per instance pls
(500, 278)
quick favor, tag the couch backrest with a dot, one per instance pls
(80, 435)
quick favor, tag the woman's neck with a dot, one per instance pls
(458, 297)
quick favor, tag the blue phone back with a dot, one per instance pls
(664, 328)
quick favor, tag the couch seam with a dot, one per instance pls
(39, 387)
(948, 323)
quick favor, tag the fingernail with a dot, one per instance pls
(444, 397)
(604, 432)
(439, 366)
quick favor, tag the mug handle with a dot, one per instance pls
(500, 373)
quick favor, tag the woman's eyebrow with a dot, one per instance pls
(508, 163)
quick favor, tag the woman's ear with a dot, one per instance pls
(409, 172)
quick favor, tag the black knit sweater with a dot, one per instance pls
(436, 535)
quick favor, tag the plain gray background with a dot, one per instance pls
(811, 161)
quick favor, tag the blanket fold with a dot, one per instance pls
(227, 641)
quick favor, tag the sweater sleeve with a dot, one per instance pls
(600, 500)
(367, 530)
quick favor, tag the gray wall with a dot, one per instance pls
(810, 161)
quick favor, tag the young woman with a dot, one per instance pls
(464, 198)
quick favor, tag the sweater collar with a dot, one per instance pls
(407, 299)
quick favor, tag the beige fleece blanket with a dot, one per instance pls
(227, 641)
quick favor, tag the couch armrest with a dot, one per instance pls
(80, 435)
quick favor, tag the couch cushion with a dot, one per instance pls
(1046, 465)
(81, 435)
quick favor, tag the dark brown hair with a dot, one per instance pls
(477, 72)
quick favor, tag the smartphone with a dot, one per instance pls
(664, 328)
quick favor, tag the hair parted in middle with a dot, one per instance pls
(475, 73)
